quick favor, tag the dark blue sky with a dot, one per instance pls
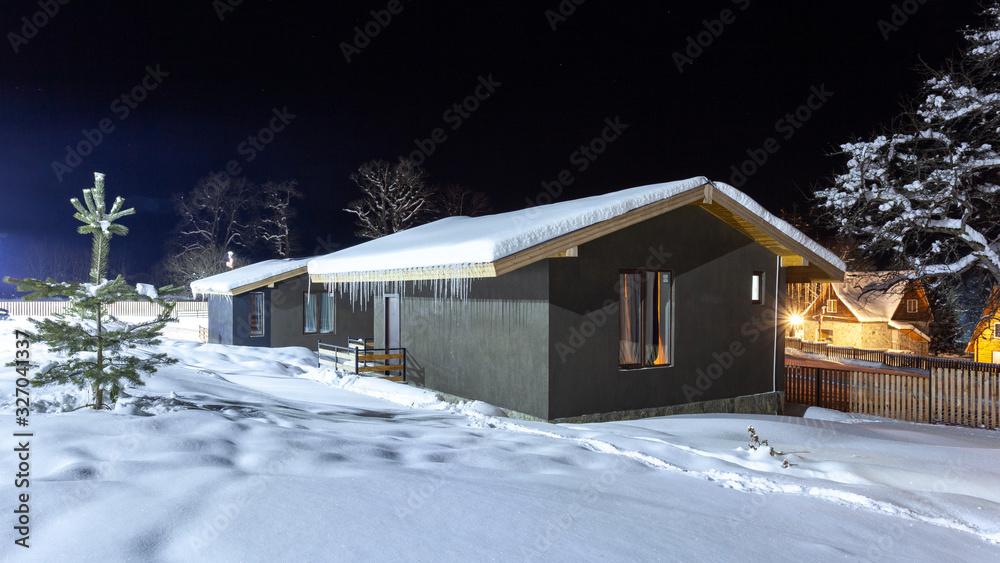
(220, 80)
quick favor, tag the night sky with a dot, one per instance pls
(181, 86)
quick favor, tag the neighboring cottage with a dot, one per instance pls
(638, 302)
(846, 314)
(273, 304)
(985, 342)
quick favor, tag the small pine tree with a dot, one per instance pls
(97, 345)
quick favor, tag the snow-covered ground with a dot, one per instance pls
(241, 454)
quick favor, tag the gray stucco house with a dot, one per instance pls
(657, 299)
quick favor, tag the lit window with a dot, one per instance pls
(644, 319)
(911, 305)
(257, 313)
(996, 330)
(831, 305)
(757, 288)
(318, 313)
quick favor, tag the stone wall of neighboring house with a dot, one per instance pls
(869, 336)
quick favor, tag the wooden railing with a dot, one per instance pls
(946, 395)
(203, 334)
(363, 359)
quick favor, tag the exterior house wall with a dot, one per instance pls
(723, 345)
(229, 320)
(220, 319)
(868, 336)
(492, 346)
(987, 342)
(352, 320)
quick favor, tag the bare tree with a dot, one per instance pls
(455, 200)
(394, 197)
(59, 261)
(182, 269)
(277, 212)
(220, 211)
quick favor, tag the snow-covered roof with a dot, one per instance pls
(487, 246)
(250, 277)
(874, 305)
(909, 328)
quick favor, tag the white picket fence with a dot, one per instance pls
(118, 309)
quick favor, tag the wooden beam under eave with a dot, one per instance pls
(572, 252)
(809, 274)
(777, 240)
(268, 281)
(789, 261)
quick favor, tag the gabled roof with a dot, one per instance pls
(247, 278)
(873, 305)
(492, 245)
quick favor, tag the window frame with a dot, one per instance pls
(319, 316)
(831, 306)
(996, 331)
(255, 297)
(668, 339)
(914, 303)
(757, 276)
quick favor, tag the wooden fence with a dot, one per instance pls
(966, 397)
(946, 395)
(892, 359)
(118, 309)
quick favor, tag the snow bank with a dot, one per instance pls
(232, 443)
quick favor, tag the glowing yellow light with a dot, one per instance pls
(796, 319)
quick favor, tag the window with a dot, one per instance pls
(826, 335)
(996, 330)
(644, 319)
(911, 305)
(318, 313)
(257, 313)
(757, 288)
(831, 305)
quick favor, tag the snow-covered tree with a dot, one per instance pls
(97, 345)
(925, 194)
(394, 197)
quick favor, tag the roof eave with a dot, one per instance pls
(253, 285)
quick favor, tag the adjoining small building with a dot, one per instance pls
(652, 300)
(858, 313)
(273, 304)
(985, 342)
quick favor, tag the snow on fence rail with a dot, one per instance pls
(118, 309)
(948, 395)
(892, 359)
